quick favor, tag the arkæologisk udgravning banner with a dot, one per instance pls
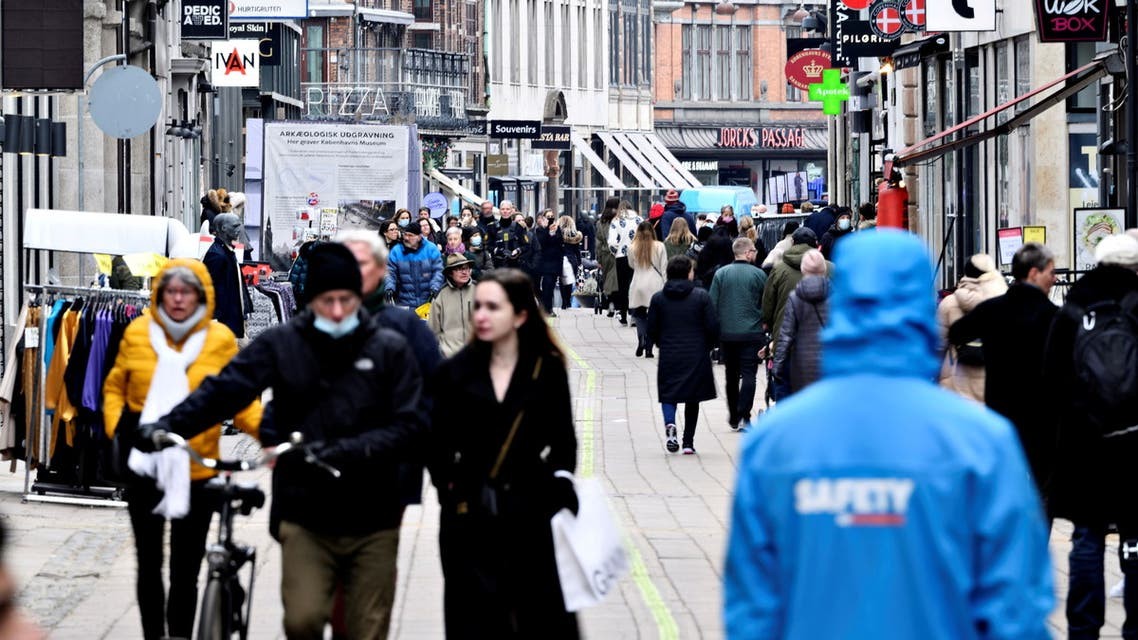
(323, 177)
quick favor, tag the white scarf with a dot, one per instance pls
(168, 387)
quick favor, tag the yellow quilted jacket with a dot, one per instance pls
(129, 380)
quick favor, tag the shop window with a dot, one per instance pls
(1078, 55)
(931, 97)
(1023, 71)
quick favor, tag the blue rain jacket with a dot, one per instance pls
(875, 505)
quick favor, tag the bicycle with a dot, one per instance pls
(226, 606)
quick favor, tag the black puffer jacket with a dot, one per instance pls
(550, 251)
(715, 254)
(800, 337)
(358, 394)
(683, 323)
(1093, 477)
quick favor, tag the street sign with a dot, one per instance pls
(437, 203)
(268, 9)
(235, 63)
(555, 137)
(515, 129)
(205, 20)
(831, 92)
(960, 15)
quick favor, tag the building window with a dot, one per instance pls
(314, 53)
(931, 97)
(614, 43)
(1078, 55)
(422, 11)
(687, 67)
(550, 44)
(1023, 71)
(722, 89)
(646, 57)
(566, 35)
(515, 46)
(531, 53)
(702, 89)
(742, 83)
(496, 38)
(421, 41)
(582, 52)
(599, 58)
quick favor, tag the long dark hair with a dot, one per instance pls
(609, 212)
(534, 338)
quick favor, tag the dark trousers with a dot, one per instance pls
(548, 285)
(640, 316)
(1086, 597)
(691, 416)
(742, 366)
(187, 546)
(623, 284)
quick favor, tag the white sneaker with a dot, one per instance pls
(673, 443)
(1116, 590)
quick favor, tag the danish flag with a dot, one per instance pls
(915, 12)
(888, 20)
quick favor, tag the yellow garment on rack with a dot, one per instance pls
(31, 391)
(56, 392)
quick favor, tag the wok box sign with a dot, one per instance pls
(1072, 20)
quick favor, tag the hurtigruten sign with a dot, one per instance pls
(762, 138)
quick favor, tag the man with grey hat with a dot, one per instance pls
(450, 312)
(352, 390)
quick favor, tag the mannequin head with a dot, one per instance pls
(227, 228)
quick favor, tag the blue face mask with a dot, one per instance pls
(337, 329)
(476, 241)
(844, 224)
(403, 222)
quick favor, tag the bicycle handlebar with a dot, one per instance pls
(267, 457)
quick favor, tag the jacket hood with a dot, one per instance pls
(198, 267)
(573, 239)
(793, 256)
(676, 206)
(678, 289)
(882, 309)
(970, 292)
(813, 289)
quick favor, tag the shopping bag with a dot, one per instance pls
(590, 556)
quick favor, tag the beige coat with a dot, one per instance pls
(450, 317)
(966, 380)
(648, 280)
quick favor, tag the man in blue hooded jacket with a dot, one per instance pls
(900, 512)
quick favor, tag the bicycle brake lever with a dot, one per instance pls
(311, 458)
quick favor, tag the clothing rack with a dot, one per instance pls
(62, 493)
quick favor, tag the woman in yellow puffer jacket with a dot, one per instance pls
(178, 323)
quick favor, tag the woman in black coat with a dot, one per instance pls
(683, 323)
(550, 255)
(717, 252)
(502, 476)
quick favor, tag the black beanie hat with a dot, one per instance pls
(804, 235)
(331, 266)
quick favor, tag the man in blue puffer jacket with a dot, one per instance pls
(414, 270)
(901, 512)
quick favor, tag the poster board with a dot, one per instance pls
(1090, 226)
(1009, 240)
(1037, 234)
(323, 177)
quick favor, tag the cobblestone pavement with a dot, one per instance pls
(76, 563)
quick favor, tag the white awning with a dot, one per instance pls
(664, 161)
(646, 165)
(627, 161)
(598, 164)
(673, 160)
(452, 185)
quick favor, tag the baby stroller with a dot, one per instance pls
(591, 281)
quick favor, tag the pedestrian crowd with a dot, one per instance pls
(919, 496)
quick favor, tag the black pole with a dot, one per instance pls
(1131, 115)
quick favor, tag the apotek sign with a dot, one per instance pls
(1072, 20)
(764, 137)
(204, 19)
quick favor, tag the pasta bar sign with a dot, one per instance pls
(762, 138)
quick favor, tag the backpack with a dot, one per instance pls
(1105, 353)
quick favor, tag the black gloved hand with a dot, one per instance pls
(565, 495)
(144, 438)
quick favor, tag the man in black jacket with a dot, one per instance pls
(342, 381)
(231, 297)
(1013, 330)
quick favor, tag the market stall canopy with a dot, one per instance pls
(455, 187)
(112, 233)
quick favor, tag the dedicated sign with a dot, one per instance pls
(805, 67)
(268, 9)
(555, 137)
(515, 129)
(204, 19)
(235, 63)
(1072, 20)
(962, 15)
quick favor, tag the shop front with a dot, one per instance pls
(781, 164)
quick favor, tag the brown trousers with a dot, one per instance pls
(313, 564)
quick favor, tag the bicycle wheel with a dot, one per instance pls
(211, 624)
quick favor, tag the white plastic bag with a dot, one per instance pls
(590, 555)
